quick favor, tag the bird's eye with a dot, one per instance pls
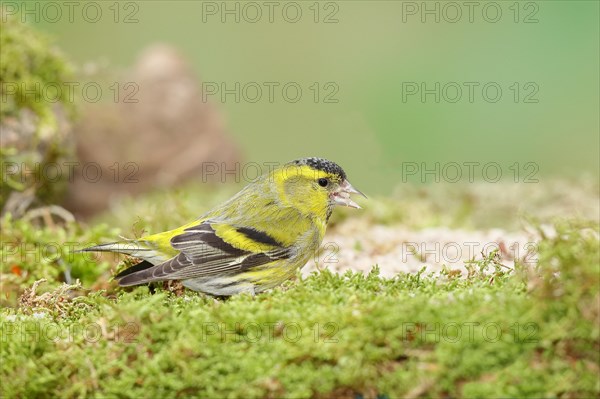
(323, 182)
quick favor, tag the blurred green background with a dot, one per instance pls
(373, 51)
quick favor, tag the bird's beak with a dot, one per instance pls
(342, 195)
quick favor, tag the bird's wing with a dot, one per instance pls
(211, 248)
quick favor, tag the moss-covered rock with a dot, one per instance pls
(37, 107)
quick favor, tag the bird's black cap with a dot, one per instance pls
(321, 164)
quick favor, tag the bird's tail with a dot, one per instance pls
(133, 248)
(122, 247)
(140, 273)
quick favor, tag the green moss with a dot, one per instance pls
(32, 72)
(529, 333)
(30, 252)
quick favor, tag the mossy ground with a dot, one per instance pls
(529, 332)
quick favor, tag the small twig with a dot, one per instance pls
(46, 211)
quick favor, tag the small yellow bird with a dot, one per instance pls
(253, 242)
